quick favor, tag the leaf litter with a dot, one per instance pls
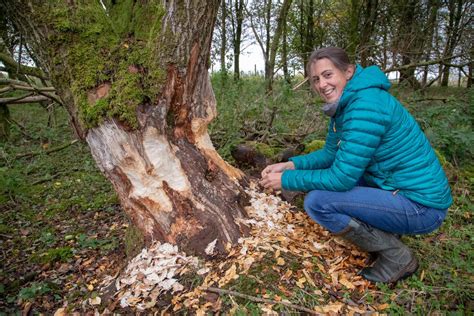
(328, 265)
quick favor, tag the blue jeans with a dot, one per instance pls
(382, 209)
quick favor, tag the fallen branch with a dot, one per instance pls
(54, 176)
(35, 153)
(444, 100)
(424, 63)
(21, 128)
(32, 88)
(259, 300)
(27, 98)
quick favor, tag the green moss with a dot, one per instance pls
(96, 52)
(314, 145)
(61, 254)
(265, 149)
(141, 21)
(134, 241)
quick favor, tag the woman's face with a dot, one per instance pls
(328, 80)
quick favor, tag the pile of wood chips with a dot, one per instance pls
(277, 229)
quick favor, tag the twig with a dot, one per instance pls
(34, 153)
(258, 299)
(54, 176)
(444, 100)
(21, 128)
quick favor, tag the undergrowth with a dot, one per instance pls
(57, 208)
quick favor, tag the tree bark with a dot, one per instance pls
(237, 24)
(223, 36)
(454, 32)
(4, 123)
(273, 48)
(134, 80)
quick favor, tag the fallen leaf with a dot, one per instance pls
(300, 282)
(381, 307)
(308, 277)
(95, 301)
(346, 283)
(330, 308)
(60, 312)
(280, 261)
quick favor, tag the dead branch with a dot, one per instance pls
(54, 176)
(444, 100)
(424, 63)
(35, 153)
(45, 93)
(27, 98)
(25, 70)
(33, 88)
(6, 81)
(6, 89)
(21, 128)
(259, 300)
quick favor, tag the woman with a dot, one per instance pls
(377, 176)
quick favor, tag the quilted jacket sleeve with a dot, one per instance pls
(319, 159)
(364, 124)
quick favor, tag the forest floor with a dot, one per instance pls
(62, 231)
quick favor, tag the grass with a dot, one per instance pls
(57, 211)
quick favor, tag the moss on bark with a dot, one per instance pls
(97, 46)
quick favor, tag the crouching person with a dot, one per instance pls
(377, 176)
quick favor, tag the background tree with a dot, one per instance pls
(268, 32)
(237, 32)
(458, 18)
(133, 77)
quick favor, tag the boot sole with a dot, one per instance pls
(409, 270)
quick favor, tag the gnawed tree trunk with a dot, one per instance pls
(134, 79)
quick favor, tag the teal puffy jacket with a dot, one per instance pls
(373, 136)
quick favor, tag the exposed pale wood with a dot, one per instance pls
(169, 178)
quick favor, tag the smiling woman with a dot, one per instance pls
(376, 177)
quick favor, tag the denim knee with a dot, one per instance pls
(314, 200)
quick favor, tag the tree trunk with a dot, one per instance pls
(266, 52)
(470, 67)
(273, 48)
(454, 31)
(369, 21)
(135, 82)
(284, 55)
(432, 9)
(223, 37)
(237, 38)
(4, 123)
(409, 40)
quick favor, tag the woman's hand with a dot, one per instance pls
(271, 175)
(272, 180)
(278, 167)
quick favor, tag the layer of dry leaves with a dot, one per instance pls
(329, 266)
